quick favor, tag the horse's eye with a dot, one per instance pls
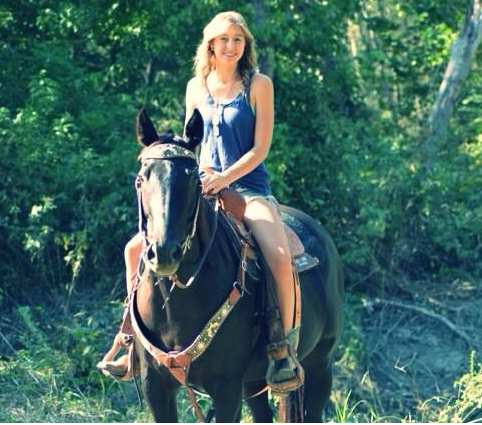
(190, 171)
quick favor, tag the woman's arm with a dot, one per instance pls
(262, 94)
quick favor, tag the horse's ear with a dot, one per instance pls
(194, 130)
(146, 133)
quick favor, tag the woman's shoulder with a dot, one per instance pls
(194, 85)
(260, 83)
(195, 90)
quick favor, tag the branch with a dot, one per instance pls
(426, 312)
(266, 59)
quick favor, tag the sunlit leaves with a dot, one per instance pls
(353, 81)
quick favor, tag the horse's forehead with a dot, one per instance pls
(170, 173)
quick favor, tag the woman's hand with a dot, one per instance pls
(213, 183)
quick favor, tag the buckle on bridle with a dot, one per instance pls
(241, 289)
(138, 182)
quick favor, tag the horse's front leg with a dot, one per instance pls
(259, 405)
(227, 395)
(159, 391)
(160, 397)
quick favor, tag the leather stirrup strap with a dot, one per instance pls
(276, 334)
(297, 287)
(194, 404)
(241, 277)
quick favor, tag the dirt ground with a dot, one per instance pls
(415, 346)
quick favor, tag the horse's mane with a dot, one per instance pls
(167, 137)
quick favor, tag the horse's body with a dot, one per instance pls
(235, 362)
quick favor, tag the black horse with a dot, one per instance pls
(234, 364)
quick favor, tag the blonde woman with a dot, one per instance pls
(237, 106)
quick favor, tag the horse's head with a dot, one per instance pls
(169, 192)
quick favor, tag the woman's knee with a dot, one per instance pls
(133, 248)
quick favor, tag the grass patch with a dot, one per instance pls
(48, 374)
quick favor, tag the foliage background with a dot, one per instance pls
(354, 82)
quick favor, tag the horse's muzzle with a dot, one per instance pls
(164, 258)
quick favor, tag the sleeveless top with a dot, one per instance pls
(235, 136)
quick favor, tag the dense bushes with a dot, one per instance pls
(352, 91)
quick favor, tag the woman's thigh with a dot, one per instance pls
(268, 230)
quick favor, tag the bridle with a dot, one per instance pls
(168, 151)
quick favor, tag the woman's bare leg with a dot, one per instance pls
(284, 372)
(132, 252)
(119, 368)
(268, 230)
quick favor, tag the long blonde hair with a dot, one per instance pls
(204, 59)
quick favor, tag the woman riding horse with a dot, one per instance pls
(237, 106)
(181, 241)
(199, 315)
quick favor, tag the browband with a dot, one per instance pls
(167, 151)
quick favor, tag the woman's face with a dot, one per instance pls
(229, 46)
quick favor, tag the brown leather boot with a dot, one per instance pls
(285, 372)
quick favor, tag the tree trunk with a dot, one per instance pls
(461, 55)
(266, 58)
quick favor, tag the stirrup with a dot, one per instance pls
(281, 361)
(285, 372)
(116, 370)
(283, 385)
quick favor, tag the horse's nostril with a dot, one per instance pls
(151, 253)
(176, 252)
(161, 255)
